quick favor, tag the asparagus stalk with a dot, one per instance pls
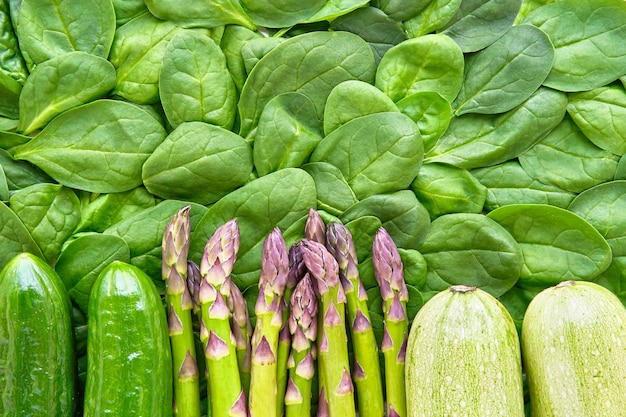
(175, 248)
(242, 330)
(315, 228)
(366, 369)
(302, 325)
(389, 274)
(226, 394)
(268, 310)
(296, 271)
(336, 389)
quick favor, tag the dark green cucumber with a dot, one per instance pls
(129, 365)
(37, 360)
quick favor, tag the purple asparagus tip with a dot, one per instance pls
(220, 254)
(388, 268)
(315, 228)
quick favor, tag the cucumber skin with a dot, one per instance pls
(129, 365)
(37, 358)
(574, 351)
(453, 366)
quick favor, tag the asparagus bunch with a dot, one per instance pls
(226, 394)
(366, 369)
(389, 274)
(336, 389)
(175, 248)
(269, 320)
(302, 326)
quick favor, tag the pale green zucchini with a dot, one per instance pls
(463, 358)
(574, 351)
(37, 358)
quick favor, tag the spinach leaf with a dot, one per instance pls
(478, 23)
(61, 83)
(9, 96)
(143, 233)
(82, 260)
(287, 133)
(255, 49)
(97, 147)
(334, 194)
(12, 65)
(379, 30)
(50, 212)
(432, 17)
(528, 6)
(476, 140)
(280, 199)
(4, 186)
(20, 174)
(428, 63)
(399, 10)
(444, 189)
(334, 9)
(503, 75)
(126, 10)
(7, 124)
(351, 99)
(432, 113)
(312, 64)
(589, 42)
(10, 140)
(614, 278)
(281, 13)
(401, 214)
(208, 13)
(516, 302)
(47, 28)
(620, 172)
(557, 244)
(233, 40)
(377, 153)
(104, 210)
(471, 249)
(601, 115)
(198, 162)
(14, 237)
(137, 53)
(508, 183)
(567, 159)
(194, 82)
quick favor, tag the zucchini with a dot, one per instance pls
(37, 359)
(129, 365)
(574, 351)
(463, 358)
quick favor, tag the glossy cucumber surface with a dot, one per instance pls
(129, 369)
(37, 359)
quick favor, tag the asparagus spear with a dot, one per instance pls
(175, 248)
(242, 330)
(389, 274)
(332, 343)
(302, 325)
(268, 310)
(296, 271)
(315, 228)
(366, 369)
(226, 394)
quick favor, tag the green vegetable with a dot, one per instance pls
(129, 361)
(388, 270)
(269, 321)
(209, 13)
(366, 370)
(224, 384)
(573, 348)
(37, 357)
(336, 395)
(463, 357)
(14, 236)
(13, 71)
(186, 375)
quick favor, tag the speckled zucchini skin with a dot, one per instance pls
(574, 351)
(129, 368)
(37, 359)
(463, 358)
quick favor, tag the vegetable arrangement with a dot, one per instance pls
(492, 154)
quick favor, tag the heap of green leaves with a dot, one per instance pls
(487, 137)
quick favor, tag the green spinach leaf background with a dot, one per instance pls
(488, 137)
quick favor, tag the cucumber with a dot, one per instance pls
(37, 359)
(574, 351)
(463, 358)
(129, 365)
